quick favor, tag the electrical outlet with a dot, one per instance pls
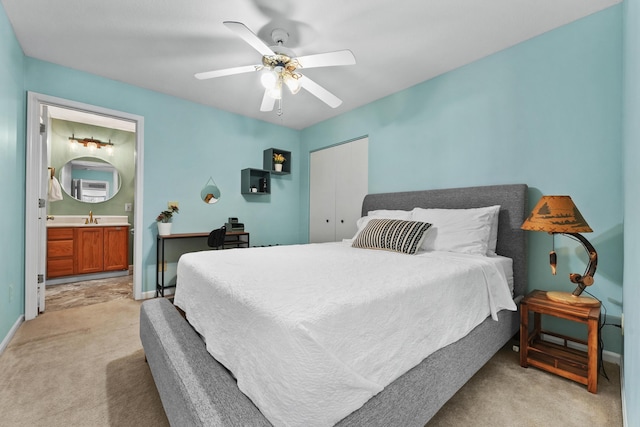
(10, 292)
(176, 204)
(128, 207)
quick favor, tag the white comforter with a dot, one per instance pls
(311, 332)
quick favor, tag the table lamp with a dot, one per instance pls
(558, 215)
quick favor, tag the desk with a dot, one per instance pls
(560, 359)
(232, 239)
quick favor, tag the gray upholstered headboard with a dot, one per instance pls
(512, 241)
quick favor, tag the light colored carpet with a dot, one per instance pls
(84, 366)
(503, 393)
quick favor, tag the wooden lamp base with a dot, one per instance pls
(569, 298)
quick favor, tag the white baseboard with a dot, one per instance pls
(152, 294)
(5, 342)
(610, 356)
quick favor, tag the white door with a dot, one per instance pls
(322, 197)
(352, 184)
(35, 211)
(338, 182)
(43, 192)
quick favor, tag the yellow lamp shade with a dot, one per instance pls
(556, 214)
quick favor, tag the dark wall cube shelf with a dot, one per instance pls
(269, 164)
(258, 178)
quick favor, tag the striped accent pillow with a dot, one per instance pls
(392, 235)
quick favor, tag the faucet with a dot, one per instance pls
(90, 220)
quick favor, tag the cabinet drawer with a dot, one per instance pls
(60, 233)
(60, 248)
(59, 267)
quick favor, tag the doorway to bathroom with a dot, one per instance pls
(71, 148)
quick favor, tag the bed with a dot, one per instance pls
(198, 390)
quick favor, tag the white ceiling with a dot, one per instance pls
(160, 44)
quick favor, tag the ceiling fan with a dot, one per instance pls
(280, 67)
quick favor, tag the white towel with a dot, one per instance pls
(55, 192)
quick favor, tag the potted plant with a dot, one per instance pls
(278, 160)
(164, 220)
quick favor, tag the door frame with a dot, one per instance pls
(34, 173)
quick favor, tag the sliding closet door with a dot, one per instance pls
(352, 184)
(322, 204)
(338, 183)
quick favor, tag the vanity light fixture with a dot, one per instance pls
(91, 143)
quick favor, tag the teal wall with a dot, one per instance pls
(546, 112)
(631, 293)
(12, 177)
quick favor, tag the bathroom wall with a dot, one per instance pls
(60, 152)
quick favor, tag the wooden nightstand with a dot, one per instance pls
(560, 359)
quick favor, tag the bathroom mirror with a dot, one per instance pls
(90, 179)
(210, 193)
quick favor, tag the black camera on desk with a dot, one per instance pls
(234, 225)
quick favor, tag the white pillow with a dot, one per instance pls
(458, 230)
(493, 237)
(383, 214)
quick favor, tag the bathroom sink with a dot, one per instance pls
(79, 220)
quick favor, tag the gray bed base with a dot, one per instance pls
(197, 391)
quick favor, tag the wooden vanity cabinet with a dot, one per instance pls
(60, 252)
(116, 248)
(89, 250)
(84, 250)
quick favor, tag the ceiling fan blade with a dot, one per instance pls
(324, 95)
(247, 35)
(227, 72)
(267, 102)
(329, 59)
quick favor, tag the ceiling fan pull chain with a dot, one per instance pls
(279, 111)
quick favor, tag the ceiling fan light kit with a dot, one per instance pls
(280, 66)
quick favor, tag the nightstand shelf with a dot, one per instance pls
(561, 357)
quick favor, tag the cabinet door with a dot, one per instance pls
(89, 249)
(322, 197)
(352, 184)
(116, 248)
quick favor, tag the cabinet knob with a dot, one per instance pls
(342, 221)
(327, 221)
